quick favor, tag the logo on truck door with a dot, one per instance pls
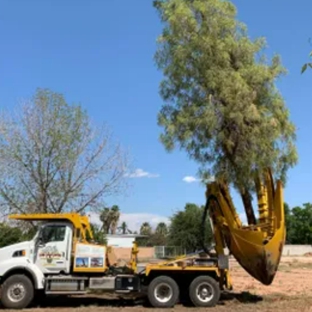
(49, 254)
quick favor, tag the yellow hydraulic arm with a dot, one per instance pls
(258, 248)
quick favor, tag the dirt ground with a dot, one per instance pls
(291, 290)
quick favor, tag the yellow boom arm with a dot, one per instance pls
(258, 248)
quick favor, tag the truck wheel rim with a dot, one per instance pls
(163, 292)
(16, 292)
(204, 292)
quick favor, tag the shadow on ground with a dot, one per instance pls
(75, 302)
(100, 301)
(244, 297)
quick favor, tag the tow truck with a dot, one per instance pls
(63, 259)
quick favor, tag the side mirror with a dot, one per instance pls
(40, 241)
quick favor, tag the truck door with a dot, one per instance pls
(54, 247)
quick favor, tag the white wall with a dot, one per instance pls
(292, 250)
(120, 241)
(296, 250)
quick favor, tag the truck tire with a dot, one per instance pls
(17, 292)
(204, 291)
(163, 292)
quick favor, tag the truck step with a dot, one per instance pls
(66, 277)
(65, 292)
(63, 284)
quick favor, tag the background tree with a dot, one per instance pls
(110, 218)
(105, 217)
(289, 222)
(52, 158)
(221, 102)
(115, 215)
(98, 234)
(124, 228)
(147, 231)
(160, 236)
(299, 224)
(161, 229)
(9, 235)
(185, 229)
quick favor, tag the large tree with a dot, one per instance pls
(221, 104)
(53, 158)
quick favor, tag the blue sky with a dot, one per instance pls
(100, 54)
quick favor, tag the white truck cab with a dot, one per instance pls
(58, 260)
(49, 252)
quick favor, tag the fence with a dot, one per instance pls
(164, 252)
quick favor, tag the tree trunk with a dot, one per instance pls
(247, 201)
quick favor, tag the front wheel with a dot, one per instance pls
(163, 292)
(204, 291)
(17, 292)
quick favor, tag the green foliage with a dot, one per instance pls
(221, 104)
(159, 237)
(98, 234)
(299, 224)
(161, 229)
(147, 231)
(185, 228)
(306, 65)
(9, 235)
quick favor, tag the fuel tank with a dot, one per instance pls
(257, 247)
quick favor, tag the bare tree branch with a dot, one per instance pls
(53, 159)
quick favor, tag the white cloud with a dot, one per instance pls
(134, 220)
(140, 173)
(189, 179)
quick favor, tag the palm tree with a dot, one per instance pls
(162, 229)
(105, 217)
(146, 229)
(115, 215)
(124, 227)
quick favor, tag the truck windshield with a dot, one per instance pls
(53, 233)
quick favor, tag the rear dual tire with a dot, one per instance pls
(204, 291)
(163, 292)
